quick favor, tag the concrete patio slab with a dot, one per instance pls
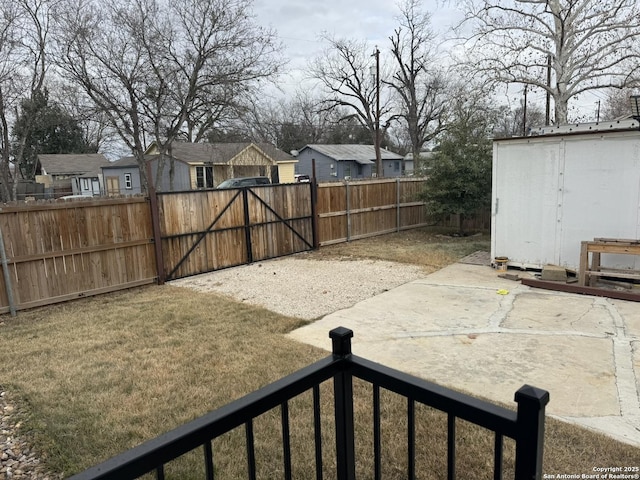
(466, 328)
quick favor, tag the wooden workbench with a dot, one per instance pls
(587, 274)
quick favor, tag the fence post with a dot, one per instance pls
(398, 204)
(314, 205)
(530, 432)
(247, 224)
(343, 402)
(155, 224)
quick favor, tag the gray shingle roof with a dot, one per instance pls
(363, 154)
(72, 164)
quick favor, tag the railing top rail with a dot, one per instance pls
(171, 445)
(466, 407)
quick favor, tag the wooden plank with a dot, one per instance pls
(617, 240)
(77, 251)
(613, 248)
(73, 296)
(584, 264)
(585, 290)
(617, 274)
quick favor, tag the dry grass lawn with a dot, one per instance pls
(99, 375)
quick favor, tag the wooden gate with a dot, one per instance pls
(207, 230)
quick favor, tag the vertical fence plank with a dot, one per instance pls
(64, 250)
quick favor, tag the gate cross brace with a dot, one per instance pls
(203, 235)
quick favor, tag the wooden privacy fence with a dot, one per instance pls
(213, 229)
(64, 250)
(351, 210)
(61, 251)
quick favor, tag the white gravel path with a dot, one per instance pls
(300, 287)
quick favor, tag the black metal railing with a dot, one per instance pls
(525, 426)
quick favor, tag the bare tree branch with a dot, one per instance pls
(164, 70)
(592, 44)
(344, 72)
(419, 84)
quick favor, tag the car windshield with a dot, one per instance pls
(227, 184)
(244, 182)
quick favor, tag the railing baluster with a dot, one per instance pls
(451, 446)
(208, 460)
(411, 438)
(160, 472)
(317, 428)
(377, 443)
(251, 454)
(497, 457)
(286, 440)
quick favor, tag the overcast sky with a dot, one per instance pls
(300, 24)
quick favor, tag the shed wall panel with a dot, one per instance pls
(551, 193)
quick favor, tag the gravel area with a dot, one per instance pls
(17, 459)
(304, 288)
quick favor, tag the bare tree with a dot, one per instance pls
(616, 104)
(591, 44)
(8, 91)
(290, 124)
(418, 81)
(24, 30)
(510, 122)
(344, 70)
(163, 70)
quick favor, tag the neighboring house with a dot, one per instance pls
(212, 163)
(72, 174)
(424, 164)
(122, 177)
(344, 162)
(193, 166)
(566, 185)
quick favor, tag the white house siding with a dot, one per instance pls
(552, 192)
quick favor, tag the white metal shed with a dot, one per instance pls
(552, 191)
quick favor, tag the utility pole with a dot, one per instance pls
(598, 113)
(524, 113)
(548, 112)
(379, 171)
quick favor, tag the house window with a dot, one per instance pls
(127, 181)
(85, 184)
(204, 177)
(396, 166)
(347, 170)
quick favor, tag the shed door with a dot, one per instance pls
(600, 196)
(113, 185)
(526, 190)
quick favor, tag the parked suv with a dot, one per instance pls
(301, 178)
(244, 182)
